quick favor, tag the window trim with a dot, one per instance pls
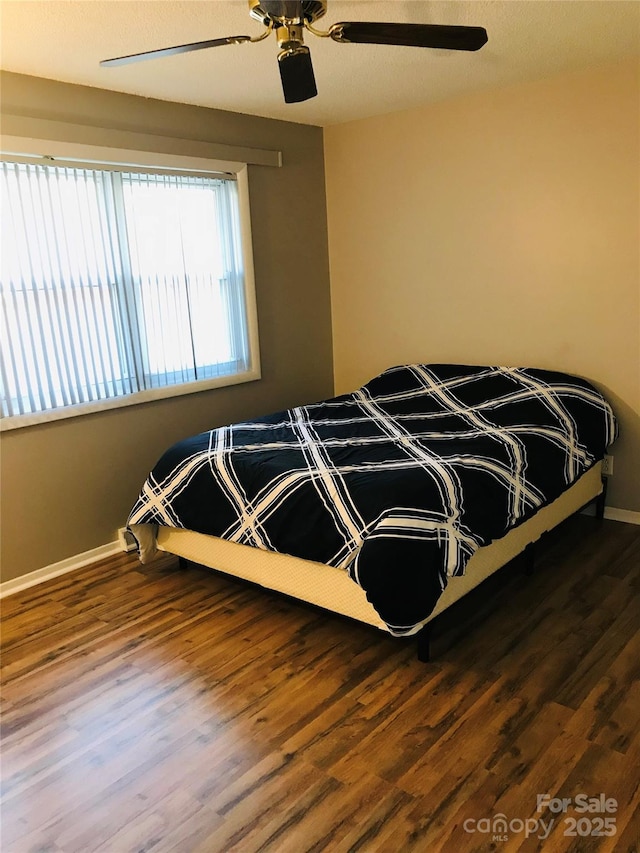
(94, 157)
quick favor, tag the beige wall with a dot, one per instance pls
(502, 228)
(67, 486)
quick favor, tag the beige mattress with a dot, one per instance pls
(334, 590)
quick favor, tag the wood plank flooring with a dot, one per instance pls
(147, 708)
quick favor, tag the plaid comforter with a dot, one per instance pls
(397, 483)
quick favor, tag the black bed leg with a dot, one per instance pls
(529, 555)
(601, 499)
(424, 642)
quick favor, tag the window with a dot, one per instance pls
(118, 287)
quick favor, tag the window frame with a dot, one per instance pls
(17, 149)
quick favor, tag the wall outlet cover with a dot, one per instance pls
(127, 540)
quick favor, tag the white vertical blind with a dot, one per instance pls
(114, 282)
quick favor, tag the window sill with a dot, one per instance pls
(21, 421)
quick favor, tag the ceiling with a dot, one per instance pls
(66, 39)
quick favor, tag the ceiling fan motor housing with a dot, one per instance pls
(280, 12)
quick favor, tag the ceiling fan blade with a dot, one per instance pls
(170, 51)
(410, 35)
(296, 73)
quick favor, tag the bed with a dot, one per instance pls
(392, 502)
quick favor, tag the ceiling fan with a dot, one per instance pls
(289, 19)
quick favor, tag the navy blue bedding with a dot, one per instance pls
(397, 483)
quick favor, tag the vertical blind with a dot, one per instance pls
(116, 282)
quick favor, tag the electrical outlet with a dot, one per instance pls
(607, 466)
(126, 540)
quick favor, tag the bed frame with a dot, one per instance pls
(332, 589)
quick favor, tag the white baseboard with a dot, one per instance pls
(627, 515)
(61, 568)
(615, 514)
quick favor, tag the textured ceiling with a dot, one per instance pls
(66, 39)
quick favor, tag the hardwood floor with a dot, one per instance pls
(147, 708)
